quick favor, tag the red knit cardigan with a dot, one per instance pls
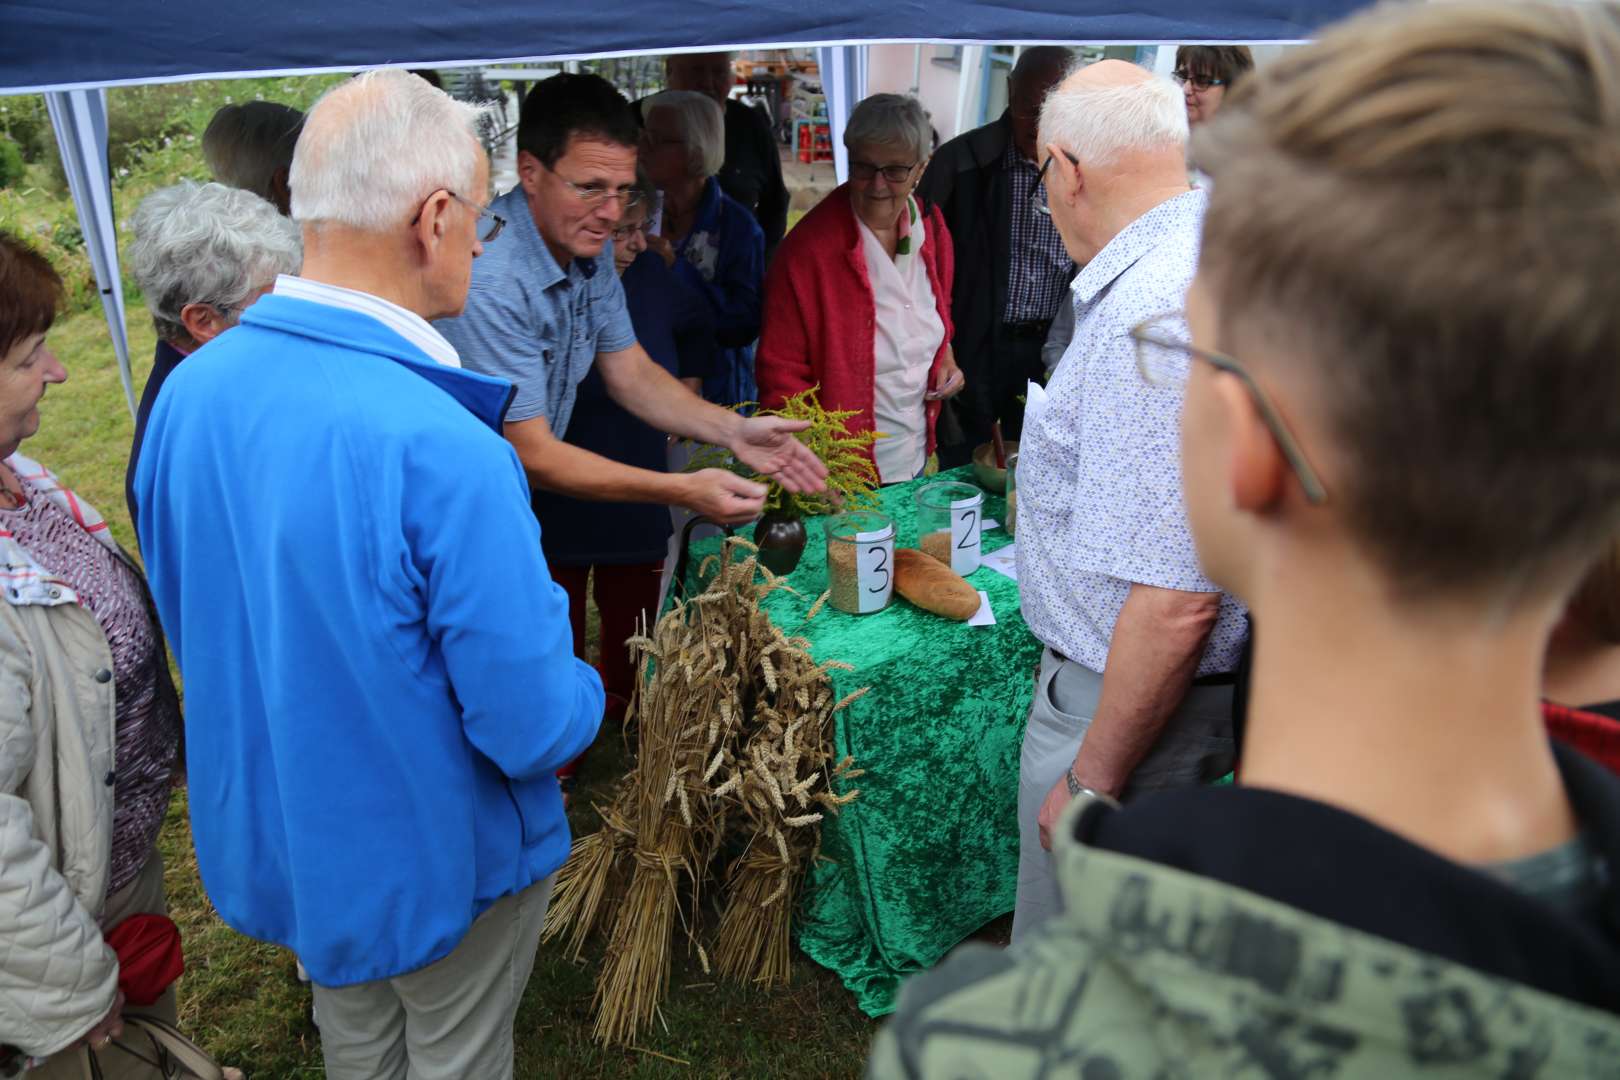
(820, 315)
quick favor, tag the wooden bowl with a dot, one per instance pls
(984, 467)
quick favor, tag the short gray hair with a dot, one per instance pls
(890, 120)
(247, 144)
(376, 146)
(1098, 123)
(702, 125)
(207, 244)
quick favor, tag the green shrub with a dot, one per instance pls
(12, 166)
(25, 120)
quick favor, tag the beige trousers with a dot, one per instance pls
(451, 1020)
(143, 896)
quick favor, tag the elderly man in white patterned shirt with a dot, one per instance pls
(1134, 692)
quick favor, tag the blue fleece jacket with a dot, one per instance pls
(380, 682)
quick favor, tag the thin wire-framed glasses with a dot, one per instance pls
(1199, 82)
(1162, 359)
(1037, 197)
(625, 232)
(486, 233)
(894, 174)
(597, 194)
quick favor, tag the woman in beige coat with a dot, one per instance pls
(89, 729)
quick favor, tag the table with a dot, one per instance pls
(929, 851)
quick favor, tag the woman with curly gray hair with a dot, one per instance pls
(202, 254)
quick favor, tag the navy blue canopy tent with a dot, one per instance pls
(71, 50)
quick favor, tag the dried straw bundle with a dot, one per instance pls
(733, 728)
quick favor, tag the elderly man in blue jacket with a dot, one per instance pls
(380, 683)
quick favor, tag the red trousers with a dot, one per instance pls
(623, 594)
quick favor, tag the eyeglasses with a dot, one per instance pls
(894, 174)
(625, 232)
(1199, 82)
(1161, 358)
(597, 194)
(488, 232)
(1037, 198)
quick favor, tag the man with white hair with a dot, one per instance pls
(250, 146)
(380, 683)
(202, 254)
(1135, 685)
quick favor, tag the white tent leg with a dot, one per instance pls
(80, 120)
(843, 81)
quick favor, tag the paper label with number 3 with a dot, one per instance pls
(965, 525)
(874, 569)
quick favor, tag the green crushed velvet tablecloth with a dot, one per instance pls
(929, 851)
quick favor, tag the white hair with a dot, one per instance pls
(701, 124)
(1097, 123)
(374, 148)
(246, 145)
(890, 120)
(207, 244)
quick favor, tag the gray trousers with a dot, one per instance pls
(142, 896)
(1194, 748)
(448, 1021)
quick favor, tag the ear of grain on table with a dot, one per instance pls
(933, 586)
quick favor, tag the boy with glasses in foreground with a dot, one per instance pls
(1400, 449)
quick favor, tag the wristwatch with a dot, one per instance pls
(1076, 789)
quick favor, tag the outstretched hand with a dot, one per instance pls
(766, 445)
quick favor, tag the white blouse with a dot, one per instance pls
(908, 335)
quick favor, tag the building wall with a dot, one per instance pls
(890, 71)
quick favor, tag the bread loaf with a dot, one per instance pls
(933, 586)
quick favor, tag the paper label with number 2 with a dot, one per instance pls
(965, 525)
(874, 568)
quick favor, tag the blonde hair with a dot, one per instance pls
(1423, 208)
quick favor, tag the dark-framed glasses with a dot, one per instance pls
(1164, 356)
(487, 230)
(894, 174)
(1199, 82)
(1037, 197)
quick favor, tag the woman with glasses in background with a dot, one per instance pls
(708, 238)
(624, 542)
(858, 298)
(1206, 73)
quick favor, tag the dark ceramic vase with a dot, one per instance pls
(780, 540)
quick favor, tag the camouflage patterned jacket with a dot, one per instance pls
(1344, 952)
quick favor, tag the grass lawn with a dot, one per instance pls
(241, 999)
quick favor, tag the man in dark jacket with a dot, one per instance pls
(752, 173)
(1398, 449)
(1011, 266)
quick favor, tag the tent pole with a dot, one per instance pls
(79, 118)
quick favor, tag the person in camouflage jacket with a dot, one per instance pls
(1399, 448)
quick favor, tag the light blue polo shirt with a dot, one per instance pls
(533, 324)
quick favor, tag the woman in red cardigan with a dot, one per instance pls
(858, 297)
